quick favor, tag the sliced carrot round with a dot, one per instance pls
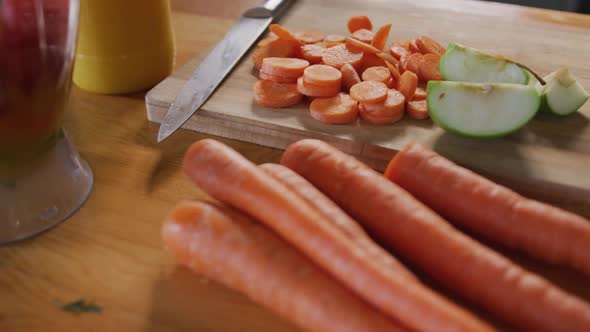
(414, 47)
(387, 57)
(428, 68)
(380, 38)
(361, 45)
(287, 67)
(403, 43)
(309, 37)
(364, 35)
(333, 40)
(356, 23)
(322, 75)
(398, 52)
(393, 70)
(273, 47)
(412, 62)
(407, 84)
(349, 76)
(428, 45)
(284, 34)
(279, 79)
(276, 95)
(340, 55)
(377, 74)
(369, 92)
(378, 119)
(312, 90)
(393, 104)
(313, 52)
(418, 109)
(339, 109)
(420, 93)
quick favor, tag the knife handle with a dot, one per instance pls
(270, 8)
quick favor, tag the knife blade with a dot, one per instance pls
(218, 63)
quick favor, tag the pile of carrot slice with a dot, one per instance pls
(337, 71)
(292, 237)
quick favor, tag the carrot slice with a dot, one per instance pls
(311, 90)
(232, 179)
(279, 79)
(405, 226)
(381, 36)
(356, 23)
(376, 118)
(402, 43)
(340, 109)
(285, 34)
(313, 53)
(393, 70)
(418, 109)
(540, 230)
(377, 74)
(202, 236)
(392, 106)
(369, 92)
(322, 75)
(310, 36)
(387, 57)
(420, 93)
(340, 55)
(412, 62)
(428, 45)
(349, 76)
(398, 52)
(286, 67)
(273, 47)
(428, 68)
(333, 40)
(363, 46)
(364, 35)
(407, 84)
(335, 215)
(276, 95)
(414, 47)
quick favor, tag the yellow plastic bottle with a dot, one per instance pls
(124, 46)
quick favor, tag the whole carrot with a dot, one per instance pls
(229, 248)
(333, 213)
(495, 212)
(229, 177)
(416, 233)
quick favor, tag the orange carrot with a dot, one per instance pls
(335, 215)
(349, 76)
(276, 95)
(377, 74)
(340, 55)
(313, 53)
(380, 38)
(272, 46)
(428, 45)
(364, 35)
(203, 236)
(371, 60)
(387, 57)
(312, 90)
(393, 70)
(333, 40)
(232, 179)
(495, 212)
(414, 46)
(393, 106)
(418, 109)
(403, 43)
(398, 52)
(420, 92)
(369, 92)
(286, 67)
(408, 82)
(361, 45)
(359, 22)
(285, 34)
(310, 36)
(416, 233)
(340, 109)
(378, 118)
(428, 68)
(412, 62)
(322, 75)
(279, 79)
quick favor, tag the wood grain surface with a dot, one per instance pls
(110, 252)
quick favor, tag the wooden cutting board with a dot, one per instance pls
(549, 158)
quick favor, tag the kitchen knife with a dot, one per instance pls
(222, 59)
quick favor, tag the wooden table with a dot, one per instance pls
(110, 252)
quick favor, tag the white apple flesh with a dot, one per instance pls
(563, 94)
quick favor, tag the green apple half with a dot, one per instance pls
(466, 64)
(481, 110)
(562, 94)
